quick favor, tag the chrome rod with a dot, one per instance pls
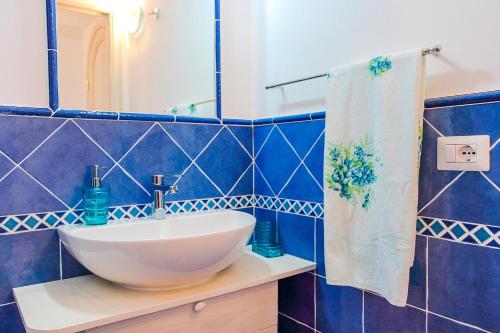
(432, 50)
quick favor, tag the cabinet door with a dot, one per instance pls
(246, 311)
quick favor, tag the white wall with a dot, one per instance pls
(242, 45)
(309, 37)
(23, 54)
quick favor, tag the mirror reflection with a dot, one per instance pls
(144, 56)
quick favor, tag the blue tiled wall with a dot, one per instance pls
(43, 166)
(454, 280)
(454, 285)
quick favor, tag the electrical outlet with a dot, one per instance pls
(464, 153)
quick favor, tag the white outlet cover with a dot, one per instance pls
(481, 144)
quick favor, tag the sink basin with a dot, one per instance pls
(172, 252)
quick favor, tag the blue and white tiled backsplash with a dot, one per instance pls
(273, 169)
(43, 167)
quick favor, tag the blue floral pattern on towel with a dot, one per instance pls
(379, 65)
(352, 171)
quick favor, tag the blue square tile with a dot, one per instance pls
(443, 325)
(10, 319)
(35, 198)
(463, 283)
(474, 119)
(320, 247)
(116, 137)
(296, 298)
(302, 186)
(260, 135)
(192, 137)
(27, 258)
(5, 165)
(70, 266)
(244, 136)
(123, 190)
(297, 235)
(416, 289)
(193, 185)
(287, 325)
(61, 164)
(20, 135)
(261, 187)
(314, 161)
(471, 198)
(244, 185)
(303, 134)
(277, 161)
(381, 316)
(224, 160)
(155, 154)
(339, 309)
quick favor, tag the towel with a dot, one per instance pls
(372, 152)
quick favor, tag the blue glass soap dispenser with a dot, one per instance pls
(95, 199)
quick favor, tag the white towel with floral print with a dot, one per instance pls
(373, 131)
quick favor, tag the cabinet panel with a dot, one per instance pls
(245, 311)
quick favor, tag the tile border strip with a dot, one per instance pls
(13, 224)
(461, 232)
(457, 231)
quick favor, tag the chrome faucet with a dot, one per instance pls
(160, 190)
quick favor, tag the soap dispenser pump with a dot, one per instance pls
(95, 199)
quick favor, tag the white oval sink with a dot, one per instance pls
(175, 251)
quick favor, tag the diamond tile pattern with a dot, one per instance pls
(45, 162)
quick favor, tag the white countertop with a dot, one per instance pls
(85, 302)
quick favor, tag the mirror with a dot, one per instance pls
(141, 56)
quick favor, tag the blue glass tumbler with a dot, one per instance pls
(266, 239)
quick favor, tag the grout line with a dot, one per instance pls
(301, 160)
(6, 304)
(239, 142)
(36, 180)
(315, 282)
(432, 126)
(265, 180)
(459, 322)
(363, 312)
(135, 144)
(115, 163)
(426, 285)
(494, 145)
(193, 161)
(490, 181)
(295, 320)
(239, 179)
(264, 142)
(17, 165)
(442, 191)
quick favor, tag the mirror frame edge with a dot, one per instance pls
(55, 111)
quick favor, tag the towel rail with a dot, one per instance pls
(432, 50)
